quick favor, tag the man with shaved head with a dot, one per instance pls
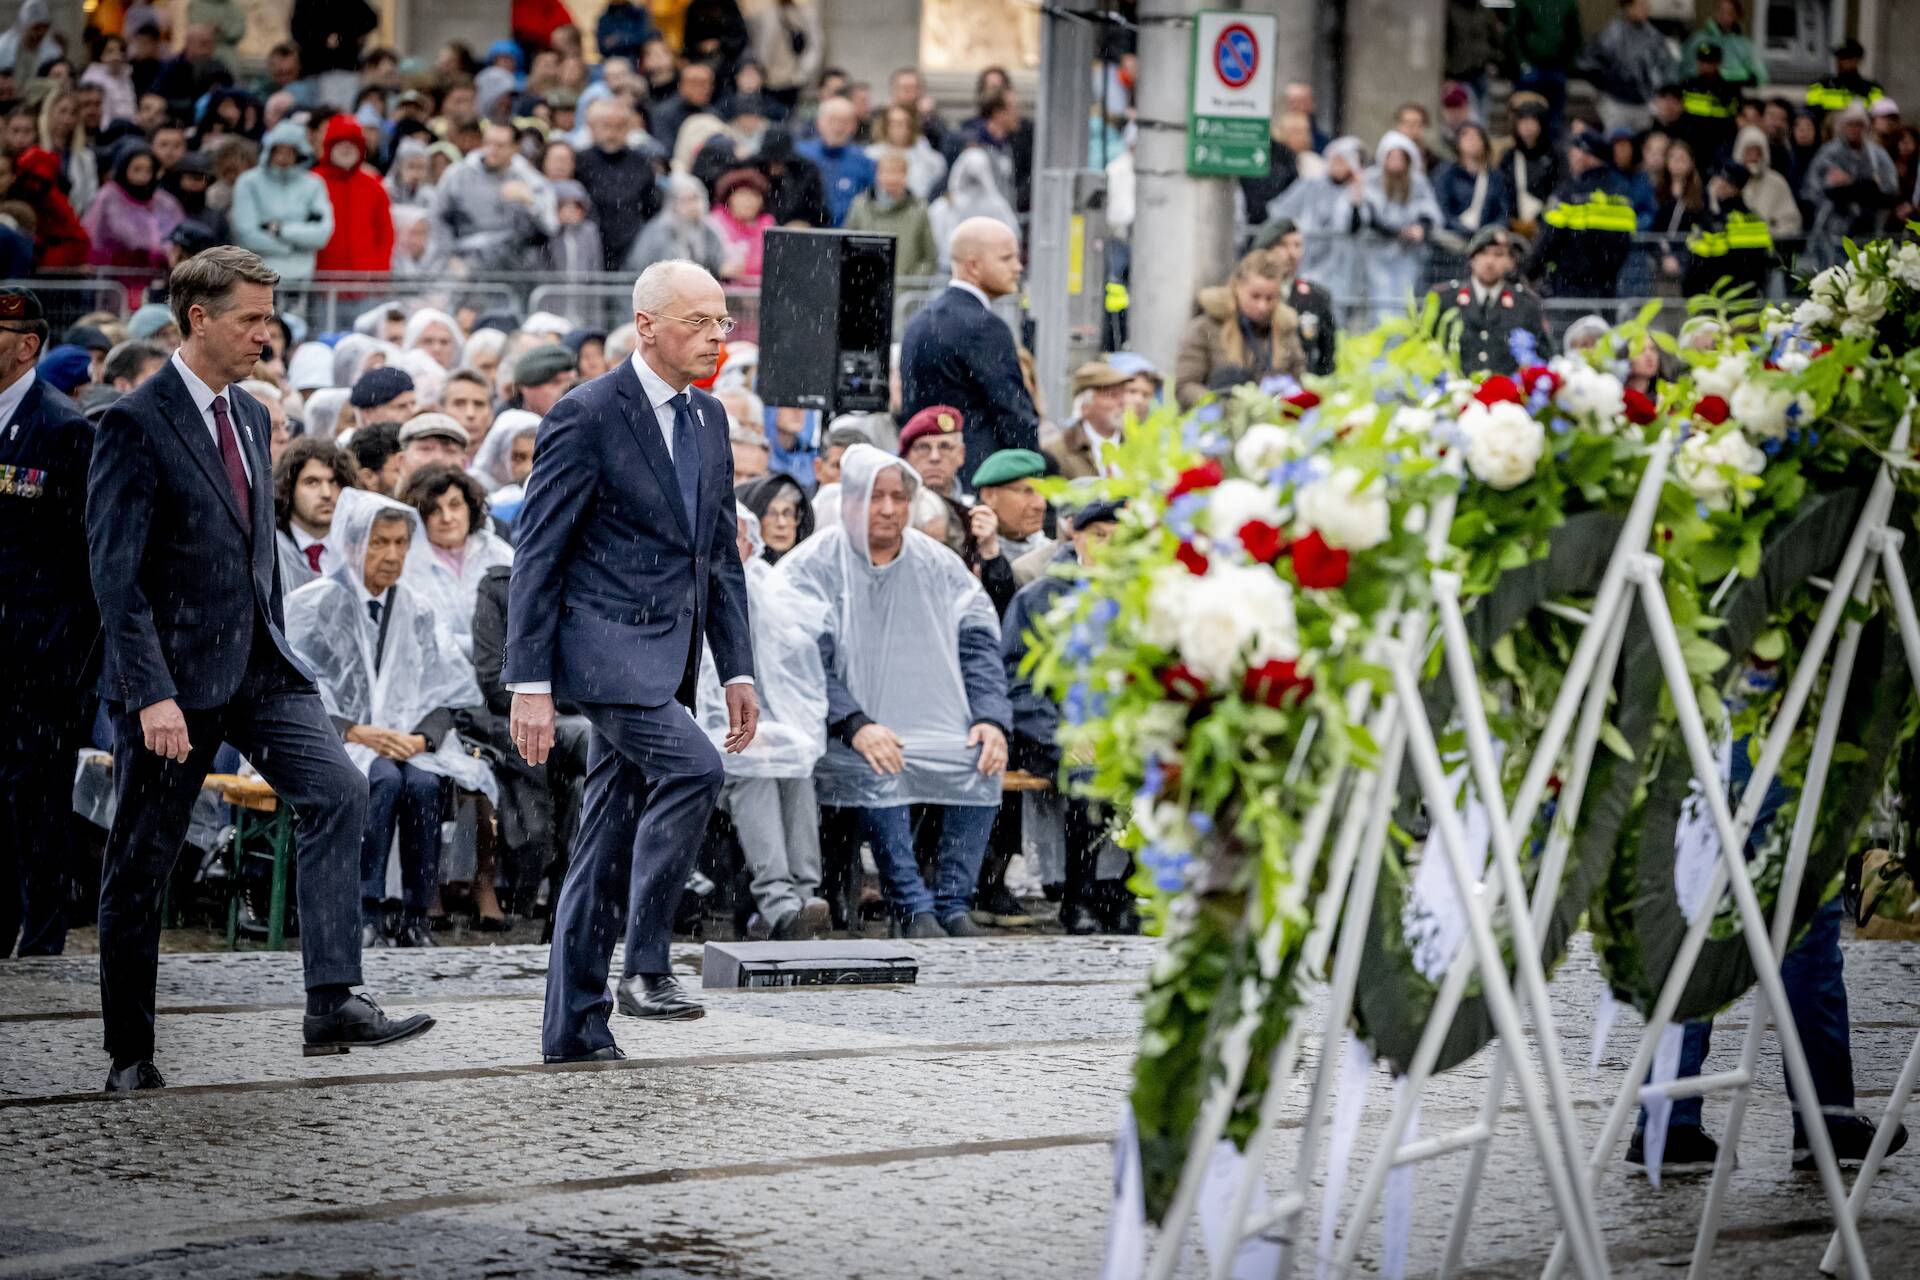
(624, 569)
(957, 352)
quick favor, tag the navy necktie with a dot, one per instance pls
(373, 611)
(686, 456)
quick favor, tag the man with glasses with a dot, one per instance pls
(51, 623)
(625, 562)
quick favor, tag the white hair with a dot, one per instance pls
(620, 343)
(654, 291)
(262, 390)
(741, 433)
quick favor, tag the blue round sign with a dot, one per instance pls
(1236, 55)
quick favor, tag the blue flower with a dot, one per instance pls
(1182, 512)
(1771, 448)
(1105, 610)
(1278, 384)
(1525, 349)
(1167, 865)
(1215, 445)
(1201, 823)
(1152, 777)
(1080, 643)
(1209, 412)
(1794, 410)
(1074, 705)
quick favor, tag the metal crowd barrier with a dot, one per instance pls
(67, 298)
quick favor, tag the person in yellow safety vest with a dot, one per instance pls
(1587, 230)
(1730, 242)
(1709, 106)
(1833, 92)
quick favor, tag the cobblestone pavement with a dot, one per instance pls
(956, 1128)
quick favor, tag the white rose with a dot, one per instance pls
(1867, 300)
(1794, 359)
(1830, 283)
(1265, 446)
(1813, 314)
(1345, 515)
(1413, 420)
(1719, 379)
(1234, 502)
(1361, 419)
(1234, 613)
(1591, 393)
(1705, 461)
(1905, 265)
(1762, 411)
(1504, 443)
(1856, 327)
(1166, 605)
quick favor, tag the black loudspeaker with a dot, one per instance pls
(826, 320)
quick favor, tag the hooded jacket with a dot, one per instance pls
(1215, 341)
(362, 218)
(58, 238)
(283, 215)
(1767, 193)
(485, 231)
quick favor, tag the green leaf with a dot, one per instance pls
(1770, 645)
(1614, 740)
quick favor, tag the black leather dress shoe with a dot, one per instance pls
(1079, 920)
(359, 1023)
(135, 1077)
(659, 996)
(605, 1053)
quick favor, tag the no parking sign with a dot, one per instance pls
(1231, 109)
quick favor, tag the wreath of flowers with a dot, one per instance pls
(1203, 660)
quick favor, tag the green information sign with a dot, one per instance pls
(1230, 109)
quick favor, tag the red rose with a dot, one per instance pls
(1498, 388)
(1712, 408)
(1302, 400)
(1262, 541)
(1181, 684)
(1276, 683)
(1205, 476)
(1191, 557)
(1640, 407)
(1534, 374)
(1316, 564)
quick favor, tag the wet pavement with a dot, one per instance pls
(955, 1128)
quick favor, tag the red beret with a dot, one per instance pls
(934, 420)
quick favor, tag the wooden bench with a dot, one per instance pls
(258, 818)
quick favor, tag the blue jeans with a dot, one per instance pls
(963, 846)
(1812, 972)
(400, 794)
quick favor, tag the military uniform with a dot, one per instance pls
(50, 624)
(1484, 341)
(1317, 326)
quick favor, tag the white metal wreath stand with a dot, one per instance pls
(1852, 582)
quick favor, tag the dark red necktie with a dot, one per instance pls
(230, 459)
(313, 550)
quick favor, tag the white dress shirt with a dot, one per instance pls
(659, 393)
(302, 540)
(10, 398)
(203, 396)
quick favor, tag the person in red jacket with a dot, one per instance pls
(59, 239)
(362, 216)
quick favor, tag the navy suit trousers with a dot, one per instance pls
(652, 780)
(277, 722)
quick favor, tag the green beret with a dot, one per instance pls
(1009, 465)
(543, 364)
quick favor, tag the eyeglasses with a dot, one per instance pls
(701, 323)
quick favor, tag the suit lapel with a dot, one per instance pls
(645, 426)
(184, 417)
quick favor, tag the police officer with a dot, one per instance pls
(1731, 242)
(48, 623)
(1281, 241)
(1587, 230)
(1709, 108)
(1492, 308)
(1833, 92)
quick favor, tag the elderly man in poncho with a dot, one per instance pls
(390, 676)
(917, 708)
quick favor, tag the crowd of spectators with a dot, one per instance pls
(685, 139)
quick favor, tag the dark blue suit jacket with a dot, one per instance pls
(47, 617)
(183, 584)
(956, 352)
(612, 588)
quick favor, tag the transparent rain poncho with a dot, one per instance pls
(895, 631)
(421, 669)
(788, 675)
(450, 591)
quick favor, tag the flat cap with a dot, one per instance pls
(1095, 374)
(543, 364)
(1008, 466)
(85, 335)
(430, 425)
(379, 386)
(1099, 511)
(934, 420)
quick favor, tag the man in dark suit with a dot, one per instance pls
(625, 562)
(1493, 308)
(50, 621)
(180, 539)
(957, 352)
